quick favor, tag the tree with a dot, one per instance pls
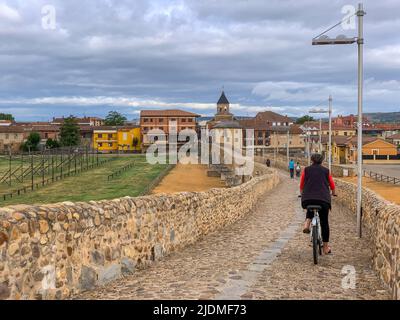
(135, 142)
(32, 142)
(6, 116)
(304, 119)
(52, 144)
(114, 118)
(69, 132)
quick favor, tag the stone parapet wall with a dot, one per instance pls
(382, 218)
(55, 251)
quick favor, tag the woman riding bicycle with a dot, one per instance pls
(315, 183)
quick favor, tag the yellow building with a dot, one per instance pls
(105, 139)
(116, 139)
(339, 131)
(129, 139)
(375, 150)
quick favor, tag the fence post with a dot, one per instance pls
(32, 171)
(43, 169)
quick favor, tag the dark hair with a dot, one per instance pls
(317, 158)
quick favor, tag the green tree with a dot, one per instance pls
(6, 116)
(304, 119)
(114, 118)
(52, 144)
(69, 132)
(32, 142)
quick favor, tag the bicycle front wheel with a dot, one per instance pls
(315, 244)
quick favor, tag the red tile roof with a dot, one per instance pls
(167, 113)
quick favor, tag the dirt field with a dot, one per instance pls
(188, 178)
(388, 191)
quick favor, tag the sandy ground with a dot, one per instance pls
(188, 177)
(389, 191)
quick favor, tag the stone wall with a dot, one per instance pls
(382, 218)
(54, 251)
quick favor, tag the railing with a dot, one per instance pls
(380, 157)
(381, 177)
(120, 171)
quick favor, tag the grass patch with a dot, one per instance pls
(93, 184)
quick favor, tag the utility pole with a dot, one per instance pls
(287, 146)
(320, 136)
(309, 148)
(330, 135)
(275, 148)
(360, 42)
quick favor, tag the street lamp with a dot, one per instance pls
(325, 40)
(329, 112)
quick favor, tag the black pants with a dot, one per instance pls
(291, 173)
(323, 215)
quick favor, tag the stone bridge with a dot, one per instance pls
(239, 243)
(264, 255)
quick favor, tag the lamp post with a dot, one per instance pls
(329, 112)
(325, 40)
(287, 146)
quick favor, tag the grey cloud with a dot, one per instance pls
(182, 53)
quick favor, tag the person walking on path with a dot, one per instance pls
(268, 163)
(291, 168)
(315, 185)
(298, 170)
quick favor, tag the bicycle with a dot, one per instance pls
(315, 234)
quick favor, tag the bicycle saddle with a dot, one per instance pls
(312, 207)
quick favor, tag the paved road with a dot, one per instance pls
(262, 256)
(391, 170)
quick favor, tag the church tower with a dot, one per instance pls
(223, 113)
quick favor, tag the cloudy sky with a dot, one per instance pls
(125, 55)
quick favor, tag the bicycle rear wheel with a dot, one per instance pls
(315, 244)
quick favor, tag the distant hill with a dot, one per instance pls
(384, 117)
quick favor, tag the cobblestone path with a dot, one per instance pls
(262, 256)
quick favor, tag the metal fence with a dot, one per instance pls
(120, 171)
(32, 171)
(381, 177)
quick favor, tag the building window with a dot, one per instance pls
(375, 152)
(100, 145)
(161, 120)
(110, 136)
(100, 135)
(183, 120)
(6, 136)
(46, 135)
(345, 133)
(110, 145)
(190, 120)
(145, 120)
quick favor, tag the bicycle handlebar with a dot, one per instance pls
(299, 196)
